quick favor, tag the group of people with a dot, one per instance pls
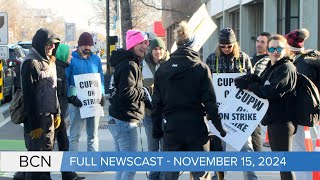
(183, 100)
(47, 74)
(173, 94)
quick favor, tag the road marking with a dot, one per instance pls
(5, 121)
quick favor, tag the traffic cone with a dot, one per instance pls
(316, 174)
(307, 139)
(266, 142)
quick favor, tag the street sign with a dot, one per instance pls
(70, 32)
(4, 52)
(3, 28)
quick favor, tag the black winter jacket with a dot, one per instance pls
(183, 92)
(126, 101)
(38, 84)
(277, 85)
(309, 64)
(62, 86)
(255, 58)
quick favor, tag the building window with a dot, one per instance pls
(288, 15)
(235, 22)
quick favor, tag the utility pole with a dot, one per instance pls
(108, 73)
(107, 29)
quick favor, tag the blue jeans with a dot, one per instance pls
(248, 147)
(153, 145)
(125, 137)
(76, 124)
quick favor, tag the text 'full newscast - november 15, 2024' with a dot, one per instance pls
(155, 161)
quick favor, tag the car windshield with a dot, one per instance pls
(16, 53)
(26, 46)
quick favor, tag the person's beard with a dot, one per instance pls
(86, 51)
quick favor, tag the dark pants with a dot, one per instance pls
(216, 145)
(63, 145)
(280, 138)
(61, 136)
(169, 145)
(257, 139)
(44, 143)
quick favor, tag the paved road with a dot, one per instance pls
(11, 138)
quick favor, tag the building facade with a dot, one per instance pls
(248, 18)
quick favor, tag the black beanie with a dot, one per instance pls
(227, 36)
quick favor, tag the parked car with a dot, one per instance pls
(8, 75)
(25, 44)
(16, 55)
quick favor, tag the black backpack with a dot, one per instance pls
(306, 102)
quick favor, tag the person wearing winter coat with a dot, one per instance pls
(127, 96)
(39, 82)
(307, 62)
(228, 58)
(63, 58)
(276, 84)
(183, 95)
(152, 61)
(83, 62)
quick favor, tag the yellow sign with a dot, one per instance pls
(112, 48)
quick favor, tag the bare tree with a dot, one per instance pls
(134, 14)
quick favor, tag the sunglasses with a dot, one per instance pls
(272, 49)
(50, 43)
(226, 46)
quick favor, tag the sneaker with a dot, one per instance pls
(71, 176)
(266, 144)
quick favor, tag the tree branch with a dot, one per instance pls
(157, 8)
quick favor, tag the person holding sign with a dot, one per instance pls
(84, 62)
(228, 58)
(276, 83)
(157, 55)
(183, 94)
(126, 108)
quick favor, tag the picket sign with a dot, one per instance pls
(88, 89)
(241, 110)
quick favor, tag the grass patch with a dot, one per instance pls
(12, 145)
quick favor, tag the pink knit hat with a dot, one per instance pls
(134, 37)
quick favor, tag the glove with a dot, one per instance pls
(36, 133)
(57, 121)
(75, 101)
(241, 82)
(103, 101)
(217, 124)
